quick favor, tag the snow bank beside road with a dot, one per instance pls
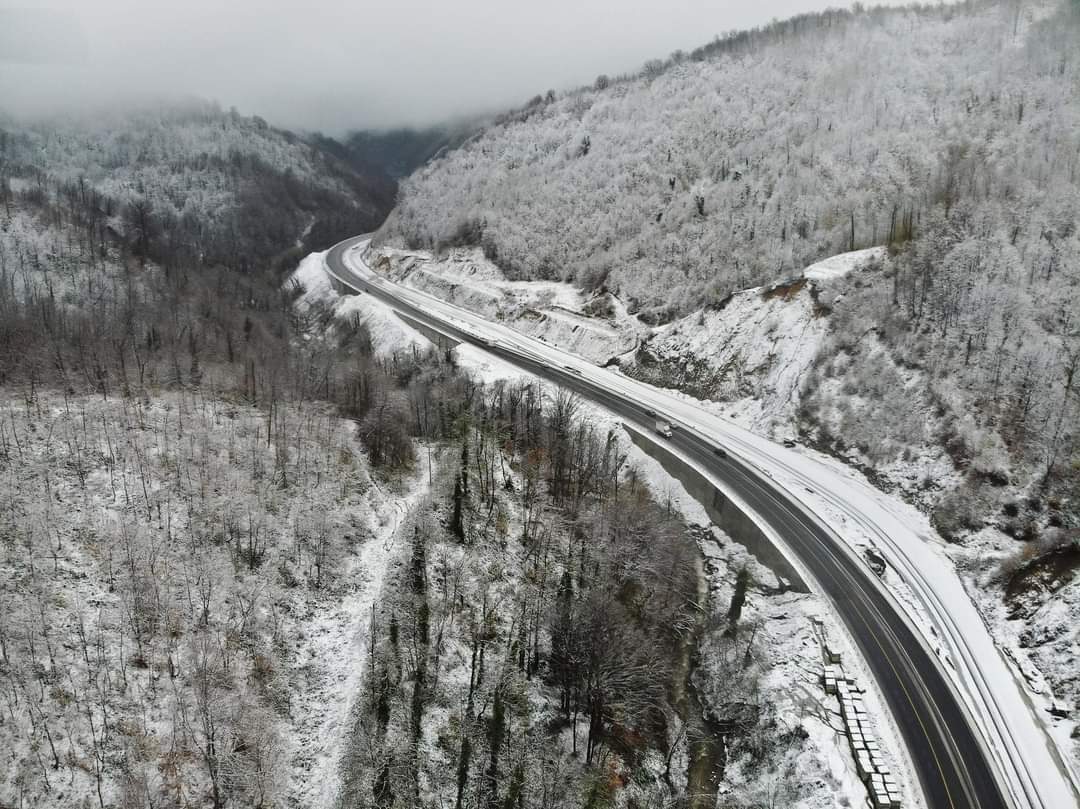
(389, 333)
(597, 327)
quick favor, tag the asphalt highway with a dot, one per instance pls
(951, 760)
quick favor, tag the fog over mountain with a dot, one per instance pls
(542, 405)
(335, 66)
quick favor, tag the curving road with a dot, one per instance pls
(958, 767)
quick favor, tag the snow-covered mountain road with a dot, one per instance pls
(971, 731)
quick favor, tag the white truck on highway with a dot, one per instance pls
(663, 428)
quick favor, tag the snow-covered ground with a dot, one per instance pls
(843, 264)
(752, 353)
(389, 333)
(823, 771)
(1035, 624)
(332, 648)
(1014, 720)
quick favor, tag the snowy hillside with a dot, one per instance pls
(188, 179)
(162, 589)
(947, 135)
(595, 326)
(755, 156)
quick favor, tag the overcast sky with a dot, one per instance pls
(341, 64)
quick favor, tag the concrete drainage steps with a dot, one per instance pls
(882, 787)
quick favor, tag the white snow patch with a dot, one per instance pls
(333, 659)
(389, 333)
(485, 367)
(843, 264)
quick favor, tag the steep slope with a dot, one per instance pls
(188, 181)
(949, 134)
(764, 152)
(594, 326)
(753, 351)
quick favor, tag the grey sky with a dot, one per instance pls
(317, 64)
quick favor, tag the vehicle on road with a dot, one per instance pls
(650, 413)
(719, 452)
(663, 428)
(876, 561)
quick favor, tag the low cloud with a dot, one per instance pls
(335, 66)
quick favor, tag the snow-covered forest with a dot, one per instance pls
(162, 556)
(262, 545)
(187, 182)
(540, 639)
(180, 555)
(744, 161)
(949, 134)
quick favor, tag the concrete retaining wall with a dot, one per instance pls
(724, 512)
(443, 342)
(340, 288)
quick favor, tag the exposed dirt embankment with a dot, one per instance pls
(596, 327)
(751, 353)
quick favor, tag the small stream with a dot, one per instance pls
(706, 754)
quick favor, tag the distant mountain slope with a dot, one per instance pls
(147, 247)
(401, 151)
(214, 186)
(761, 153)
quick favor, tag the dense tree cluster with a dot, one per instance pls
(192, 184)
(159, 556)
(537, 642)
(749, 159)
